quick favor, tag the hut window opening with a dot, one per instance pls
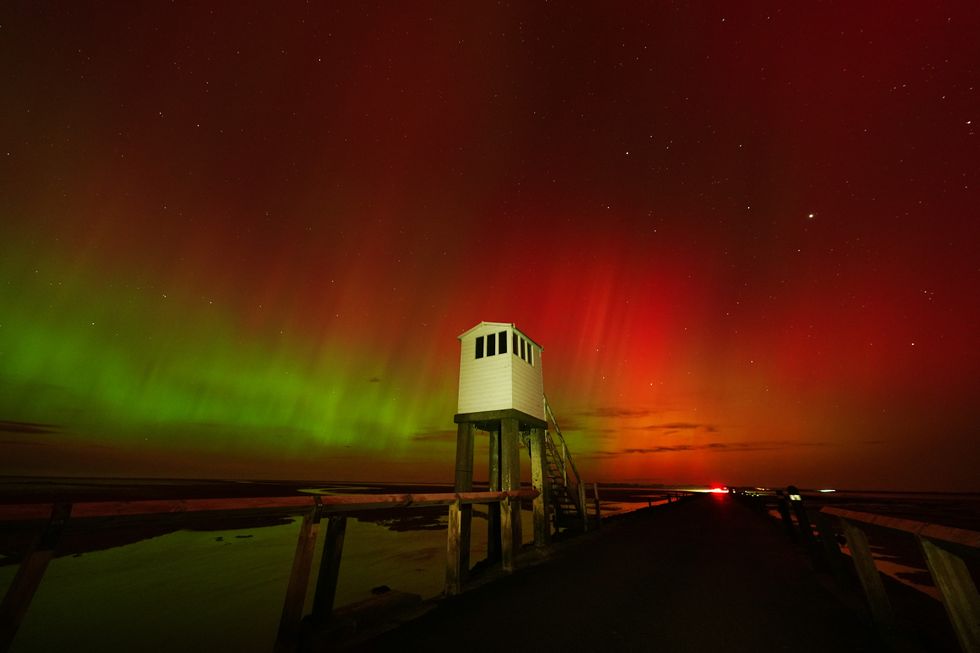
(523, 351)
(502, 342)
(479, 347)
(491, 345)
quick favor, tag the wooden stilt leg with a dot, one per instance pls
(542, 532)
(510, 477)
(493, 516)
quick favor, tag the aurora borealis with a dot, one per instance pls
(240, 240)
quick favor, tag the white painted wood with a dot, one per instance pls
(527, 386)
(501, 381)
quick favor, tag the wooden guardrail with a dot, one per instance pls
(314, 507)
(943, 548)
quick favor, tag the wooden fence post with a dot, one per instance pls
(958, 590)
(326, 584)
(582, 506)
(831, 549)
(598, 508)
(29, 574)
(299, 578)
(874, 589)
(783, 508)
(454, 558)
(802, 518)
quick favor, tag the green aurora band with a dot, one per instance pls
(123, 364)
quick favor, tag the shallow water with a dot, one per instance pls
(216, 590)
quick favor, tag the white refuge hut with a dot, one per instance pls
(501, 392)
(499, 371)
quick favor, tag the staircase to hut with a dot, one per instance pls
(566, 492)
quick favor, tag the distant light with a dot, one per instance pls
(828, 490)
(795, 497)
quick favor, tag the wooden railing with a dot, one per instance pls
(314, 507)
(943, 548)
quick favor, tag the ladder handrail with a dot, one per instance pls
(566, 454)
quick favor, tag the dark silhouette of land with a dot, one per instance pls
(708, 574)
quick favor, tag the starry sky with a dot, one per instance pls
(239, 241)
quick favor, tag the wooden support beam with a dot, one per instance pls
(959, 592)
(510, 479)
(454, 567)
(464, 483)
(874, 589)
(500, 415)
(464, 457)
(582, 506)
(493, 509)
(539, 479)
(299, 579)
(326, 583)
(29, 574)
(507, 550)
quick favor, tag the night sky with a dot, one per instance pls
(241, 241)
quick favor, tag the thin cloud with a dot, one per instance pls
(570, 424)
(761, 445)
(613, 411)
(8, 426)
(674, 427)
(597, 454)
(435, 436)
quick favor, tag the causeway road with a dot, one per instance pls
(708, 574)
